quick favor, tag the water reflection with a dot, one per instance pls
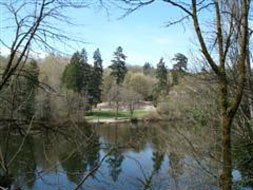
(154, 156)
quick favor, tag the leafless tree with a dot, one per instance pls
(227, 21)
(36, 25)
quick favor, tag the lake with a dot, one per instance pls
(140, 156)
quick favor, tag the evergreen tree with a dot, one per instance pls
(179, 67)
(97, 77)
(83, 56)
(147, 68)
(161, 87)
(77, 75)
(118, 66)
(181, 62)
(71, 75)
(119, 71)
(85, 76)
(162, 77)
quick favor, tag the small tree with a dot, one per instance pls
(119, 71)
(118, 66)
(161, 87)
(147, 68)
(70, 74)
(181, 62)
(132, 98)
(179, 67)
(141, 84)
(162, 77)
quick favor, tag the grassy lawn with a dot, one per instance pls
(110, 114)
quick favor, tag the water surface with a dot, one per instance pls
(132, 157)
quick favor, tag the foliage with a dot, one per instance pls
(77, 72)
(131, 98)
(179, 67)
(161, 88)
(35, 27)
(147, 69)
(162, 78)
(70, 77)
(97, 77)
(140, 84)
(19, 95)
(78, 76)
(51, 69)
(118, 71)
(107, 84)
(192, 100)
(54, 103)
(181, 62)
(84, 79)
(118, 66)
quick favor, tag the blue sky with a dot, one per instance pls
(142, 34)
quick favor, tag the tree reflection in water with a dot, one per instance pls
(115, 159)
(154, 156)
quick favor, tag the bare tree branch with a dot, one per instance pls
(36, 28)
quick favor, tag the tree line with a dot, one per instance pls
(42, 83)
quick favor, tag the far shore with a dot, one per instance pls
(106, 114)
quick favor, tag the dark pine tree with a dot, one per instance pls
(161, 87)
(97, 77)
(119, 71)
(77, 76)
(179, 67)
(147, 68)
(162, 77)
(181, 62)
(71, 74)
(85, 76)
(118, 66)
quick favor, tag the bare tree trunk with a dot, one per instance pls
(226, 177)
(249, 84)
(228, 26)
(117, 108)
(117, 102)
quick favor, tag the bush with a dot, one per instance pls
(192, 100)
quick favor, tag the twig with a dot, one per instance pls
(94, 169)
(2, 188)
(21, 145)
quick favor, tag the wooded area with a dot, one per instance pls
(215, 91)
